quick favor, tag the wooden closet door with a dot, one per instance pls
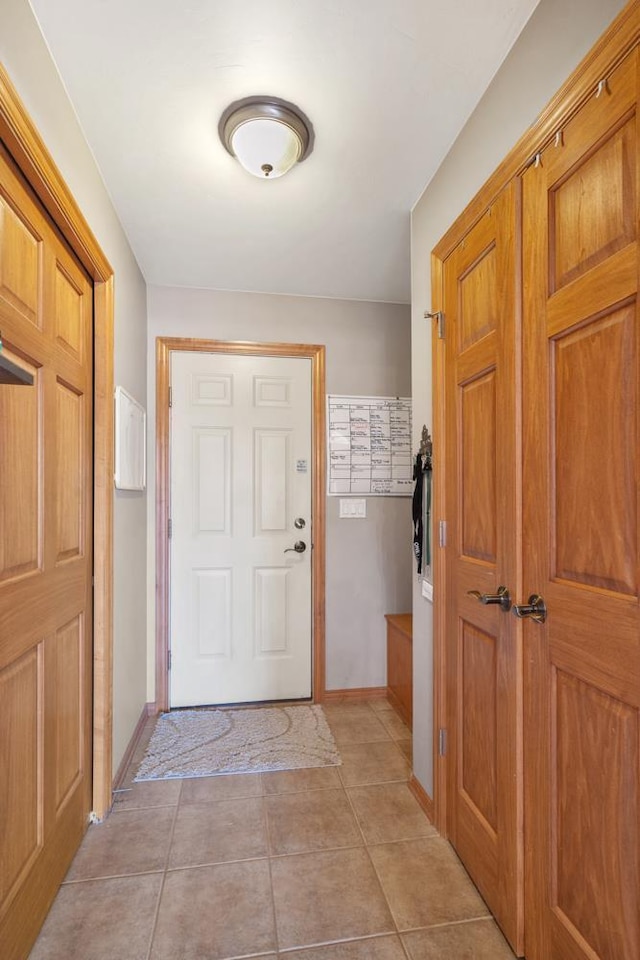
(581, 472)
(46, 456)
(484, 668)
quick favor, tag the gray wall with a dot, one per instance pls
(552, 44)
(368, 352)
(26, 58)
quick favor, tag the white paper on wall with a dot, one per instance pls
(130, 442)
(369, 446)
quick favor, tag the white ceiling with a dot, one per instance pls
(387, 84)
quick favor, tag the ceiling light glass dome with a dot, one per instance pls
(268, 136)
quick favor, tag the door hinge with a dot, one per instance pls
(439, 317)
(442, 742)
(442, 533)
(170, 528)
(170, 397)
(169, 661)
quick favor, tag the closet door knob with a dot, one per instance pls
(501, 597)
(536, 609)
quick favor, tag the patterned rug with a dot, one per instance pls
(209, 741)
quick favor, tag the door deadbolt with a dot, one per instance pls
(299, 523)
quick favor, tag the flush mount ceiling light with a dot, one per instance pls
(266, 135)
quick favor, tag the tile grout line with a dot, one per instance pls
(323, 944)
(379, 882)
(403, 947)
(451, 923)
(156, 914)
(273, 897)
(367, 783)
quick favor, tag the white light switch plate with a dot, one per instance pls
(353, 509)
(427, 590)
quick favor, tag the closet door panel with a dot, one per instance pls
(581, 472)
(484, 790)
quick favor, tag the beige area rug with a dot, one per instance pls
(209, 741)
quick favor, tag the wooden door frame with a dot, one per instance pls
(615, 43)
(314, 352)
(29, 152)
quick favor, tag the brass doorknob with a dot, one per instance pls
(501, 597)
(536, 609)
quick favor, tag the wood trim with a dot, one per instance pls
(319, 501)
(36, 163)
(399, 707)
(422, 797)
(399, 623)
(149, 710)
(316, 353)
(163, 572)
(604, 56)
(354, 694)
(439, 558)
(103, 547)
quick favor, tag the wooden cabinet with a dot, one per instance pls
(536, 399)
(400, 664)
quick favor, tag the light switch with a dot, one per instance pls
(353, 509)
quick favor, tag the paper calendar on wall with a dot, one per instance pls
(369, 446)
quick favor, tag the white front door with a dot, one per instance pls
(240, 481)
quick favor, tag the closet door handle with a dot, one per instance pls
(536, 609)
(500, 598)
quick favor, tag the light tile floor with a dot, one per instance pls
(333, 863)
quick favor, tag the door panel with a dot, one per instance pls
(479, 758)
(20, 481)
(596, 550)
(594, 885)
(271, 464)
(22, 765)
(20, 263)
(580, 471)
(477, 291)
(46, 482)
(212, 475)
(68, 714)
(484, 814)
(240, 475)
(478, 467)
